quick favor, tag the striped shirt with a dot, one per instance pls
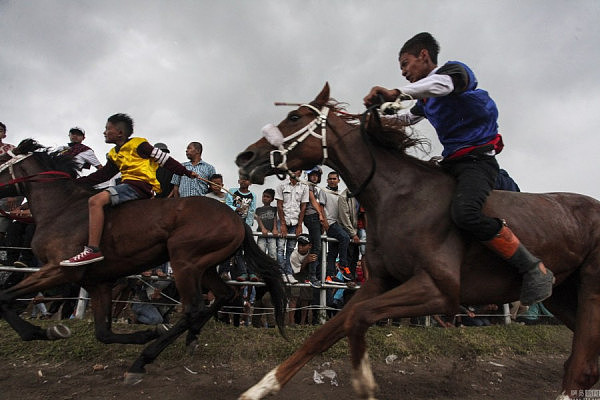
(194, 187)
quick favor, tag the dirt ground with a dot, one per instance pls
(515, 377)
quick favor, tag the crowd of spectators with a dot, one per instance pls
(290, 231)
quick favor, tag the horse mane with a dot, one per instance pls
(49, 159)
(387, 133)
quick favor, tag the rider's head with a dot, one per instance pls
(419, 56)
(422, 41)
(123, 122)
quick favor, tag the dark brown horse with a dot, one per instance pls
(194, 233)
(419, 262)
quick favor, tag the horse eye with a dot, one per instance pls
(293, 117)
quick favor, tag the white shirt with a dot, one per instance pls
(296, 260)
(292, 196)
(330, 203)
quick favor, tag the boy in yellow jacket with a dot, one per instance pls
(137, 161)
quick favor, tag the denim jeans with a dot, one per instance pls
(146, 314)
(334, 249)
(285, 247)
(268, 245)
(362, 235)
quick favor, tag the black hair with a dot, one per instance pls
(3, 126)
(420, 41)
(215, 176)
(124, 120)
(197, 146)
(270, 192)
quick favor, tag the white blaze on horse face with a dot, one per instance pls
(267, 385)
(273, 135)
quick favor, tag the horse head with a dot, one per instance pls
(297, 142)
(26, 162)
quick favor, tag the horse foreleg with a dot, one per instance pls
(29, 331)
(321, 340)
(417, 296)
(47, 277)
(101, 298)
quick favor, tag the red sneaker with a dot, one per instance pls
(87, 256)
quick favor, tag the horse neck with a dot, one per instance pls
(47, 199)
(394, 172)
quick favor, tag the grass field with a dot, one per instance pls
(250, 344)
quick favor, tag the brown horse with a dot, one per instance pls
(419, 262)
(194, 233)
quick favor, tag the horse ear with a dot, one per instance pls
(323, 97)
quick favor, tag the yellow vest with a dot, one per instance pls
(132, 166)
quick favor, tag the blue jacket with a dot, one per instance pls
(466, 117)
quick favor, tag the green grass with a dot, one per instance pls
(224, 343)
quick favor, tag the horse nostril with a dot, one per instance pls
(244, 158)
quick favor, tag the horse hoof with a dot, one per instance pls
(59, 331)
(133, 378)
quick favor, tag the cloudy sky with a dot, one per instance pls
(210, 71)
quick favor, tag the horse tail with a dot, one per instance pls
(268, 269)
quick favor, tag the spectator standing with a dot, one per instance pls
(4, 147)
(313, 220)
(9, 203)
(216, 188)
(266, 216)
(243, 202)
(292, 198)
(164, 175)
(330, 203)
(349, 212)
(184, 186)
(216, 192)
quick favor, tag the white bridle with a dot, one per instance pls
(15, 159)
(276, 138)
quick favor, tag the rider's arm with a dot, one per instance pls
(449, 78)
(146, 150)
(434, 85)
(102, 175)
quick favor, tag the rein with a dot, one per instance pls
(46, 176)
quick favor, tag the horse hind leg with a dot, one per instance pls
(50, 276)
